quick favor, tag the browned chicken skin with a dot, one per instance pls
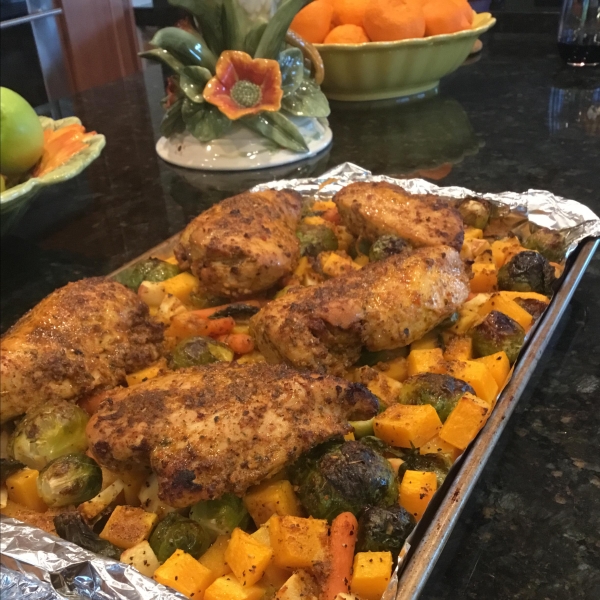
(221, 428)
(375, 209)
(243, 245)
(82, 338)
(387, 304)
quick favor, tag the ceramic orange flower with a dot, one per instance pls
(244, 86)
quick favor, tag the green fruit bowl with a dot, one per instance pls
(15, 196)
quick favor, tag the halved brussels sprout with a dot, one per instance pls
(534, 307)
(527, 272)
(70, 526)
(69, 479)
(177, 532)
(386, 246)
(475, 213)
(47, 432)
(384, 529)
(315, 239)
(550, 244)
(222, 516)
(441, 391)
(151, 269)
(197, 351)
(495, 333)
(437, 463)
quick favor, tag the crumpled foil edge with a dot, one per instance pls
(39, 566)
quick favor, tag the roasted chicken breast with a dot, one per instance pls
(387, 304)
(374, 209)
(244, 244)
(221, 428)
(82, 338)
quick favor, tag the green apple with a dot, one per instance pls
(21, 135)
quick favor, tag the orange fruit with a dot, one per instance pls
(313, 22)
(445, 16)
(349, 12)
(392, 20)
(347, 34)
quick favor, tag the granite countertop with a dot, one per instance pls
(513, 119)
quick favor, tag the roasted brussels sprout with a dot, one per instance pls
(177, 532)
(337, 477)
(198, 351)
(362, 428)
(384, 529)
(8, 466)
(475, 213)
(436, 463)
(534, 307)
(382, 448)
(200, 299)
(70, 526)
(316, 238)
(495, 333)
(151, 269)
(550, 244)
(387, 245)
(69, 479)
(527, 272)
(47, 432)
(221, 517)
(441, 391)
(238, 311)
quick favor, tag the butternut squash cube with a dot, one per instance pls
(429, 341)
(510, 308)
(472, 233)
(525, 295)
(21, 487)
(298, 543)
(141, 557)
(407, 425)
(384, 387)
(128, 526)
(468, 417)
(334, 264)
(349, 437)
(247, 557)
(92, 508)
(371, 574)
(485, 278)
(229, 588)
(148, 373)
(396, 369)
(171, 260)
(184, 573)
(274, 576)
(416, 490)
(424, 361)
(459, 347)
(300, 586)
(478, 376)
(181, 286)
(498, 365)
(436, 445)
(214, 558)
(362, 260)
(271, 498)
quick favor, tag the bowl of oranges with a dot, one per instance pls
(379, 49)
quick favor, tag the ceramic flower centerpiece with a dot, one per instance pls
(245, 92)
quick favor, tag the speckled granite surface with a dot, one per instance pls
(532, 528)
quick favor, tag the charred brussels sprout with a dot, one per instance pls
(475, 213)
(384, 529)
(495, 333)
(221, 517)
(441, 391)
(70, 526)
(69, 479)
(335, 478)
(239, 311)
(8, 466)
(527, 272)
(47, 432)
(550, 244)
(176, 532)
(382, 448)
(436, 463)
(534, 307)
(199, 350)
(315, 239)
(151, 269)
(387, 245)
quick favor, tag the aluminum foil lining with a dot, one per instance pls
(39, 566)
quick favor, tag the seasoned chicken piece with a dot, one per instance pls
(375, 209)
(82, 338)
(244, 244)
(222, 428)
(387, 304)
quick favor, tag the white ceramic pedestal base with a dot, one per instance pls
(242, 149)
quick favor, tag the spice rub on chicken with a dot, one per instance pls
(222, 428)
(243, 245)
(82, 338)
(374, 209)
(388, 304)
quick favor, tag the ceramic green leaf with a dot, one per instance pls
(307, 101)
(188, 48)
(235, 25)
(208, 14)
(277, 27)
(192, 81)
(277, 128)
(291, 63)
(253, 38)
(203, 121)
(158, 54)
(173, 121)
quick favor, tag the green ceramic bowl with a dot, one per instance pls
(380, 70)
(18, 194)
